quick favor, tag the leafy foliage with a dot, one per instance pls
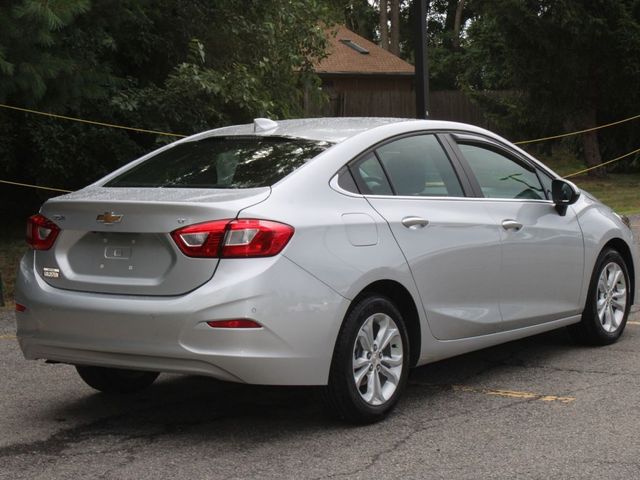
(169, 65)
(572, 64)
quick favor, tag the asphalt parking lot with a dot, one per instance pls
(542, 407)
(536, 408)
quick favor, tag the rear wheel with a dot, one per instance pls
(116, 380)
(370, 363)
(608, 302)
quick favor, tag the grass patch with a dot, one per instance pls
(619, 191)
(12, 248)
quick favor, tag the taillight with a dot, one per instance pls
(41, 232)
(240, 238)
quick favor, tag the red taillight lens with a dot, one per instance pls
(255, 238)
(233, 238)
(20, 308)
(41, 232)
(236, 323)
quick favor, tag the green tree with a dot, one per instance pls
(170, 65)
(575, 63)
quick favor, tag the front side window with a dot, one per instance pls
(501, 177)
(222, 162)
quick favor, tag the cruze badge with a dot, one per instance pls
(108, 218)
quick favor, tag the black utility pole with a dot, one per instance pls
(422, 64)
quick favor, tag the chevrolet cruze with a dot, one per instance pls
(335, 252)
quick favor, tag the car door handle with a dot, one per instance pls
(414, 223)
(511, 225)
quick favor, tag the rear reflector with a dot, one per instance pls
(20, 308)
(41, 232)
(235, 323)
(241, 238)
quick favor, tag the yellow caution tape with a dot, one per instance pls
(111, 125)
(599, 127)
(35, 186)
(142, 130)
(156, 132)
(602, 164)
(566, 176)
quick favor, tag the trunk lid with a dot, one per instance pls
(117, 240)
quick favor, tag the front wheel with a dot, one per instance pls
(370, 362)
(116, 380)
(608, 302)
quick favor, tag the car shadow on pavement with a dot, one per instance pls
(175, 404)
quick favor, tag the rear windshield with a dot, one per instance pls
(222, 162)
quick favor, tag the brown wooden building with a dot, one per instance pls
(362, 79)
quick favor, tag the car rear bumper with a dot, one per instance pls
(300, 317)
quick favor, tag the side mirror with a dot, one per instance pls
(563, 194)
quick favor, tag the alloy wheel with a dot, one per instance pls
(611, 301)
(377, 359)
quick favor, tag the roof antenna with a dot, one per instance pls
(264, 124)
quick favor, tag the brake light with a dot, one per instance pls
(41, 232)
(241, 238)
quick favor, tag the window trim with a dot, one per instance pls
(458, 170)
(470, 186)
(482, 142)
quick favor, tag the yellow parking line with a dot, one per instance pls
(7, 337)
(514, 394)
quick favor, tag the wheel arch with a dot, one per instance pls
(402, 299)
(623, 249)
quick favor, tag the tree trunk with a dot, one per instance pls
(395, 27)
(384, 25)
(591, 145)
(457, 25)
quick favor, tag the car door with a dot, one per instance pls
(542, 250)
(451, 243)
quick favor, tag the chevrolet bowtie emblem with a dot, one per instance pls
(108, 218)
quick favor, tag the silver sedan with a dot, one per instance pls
(334, 252)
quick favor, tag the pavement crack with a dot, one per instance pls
(412, 431)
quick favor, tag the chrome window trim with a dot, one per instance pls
(333, 183)
(519, 153)
(484, 199)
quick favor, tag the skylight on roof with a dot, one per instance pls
(355, 46)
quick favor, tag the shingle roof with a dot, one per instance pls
(344, 59)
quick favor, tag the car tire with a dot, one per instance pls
(370, 363)
(608, 302)
(116, 380)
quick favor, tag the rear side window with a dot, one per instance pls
(418, 166)
(370, 177)
(222, 162)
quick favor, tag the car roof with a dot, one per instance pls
(333, 130)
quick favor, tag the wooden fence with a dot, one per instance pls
(445, 105)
